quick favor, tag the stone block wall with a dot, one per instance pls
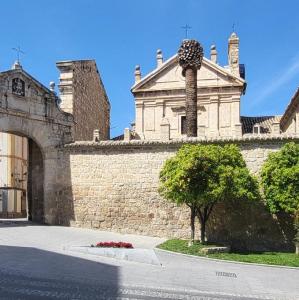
(113, 186)
(83, 95)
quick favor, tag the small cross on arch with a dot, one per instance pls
(19, 51)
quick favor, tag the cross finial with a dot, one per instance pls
(234, 27)
(19, 51)
(186, 27)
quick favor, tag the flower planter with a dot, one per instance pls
(113, 245)
(147, 256)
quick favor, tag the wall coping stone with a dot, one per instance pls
(185, 140)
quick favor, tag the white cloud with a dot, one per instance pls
(277, 82)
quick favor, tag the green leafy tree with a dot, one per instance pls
(202, 175)
(280, 182)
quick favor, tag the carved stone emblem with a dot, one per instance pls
(18, 87)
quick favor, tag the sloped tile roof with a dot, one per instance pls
(291, 108)
(264, 121)
(119, 138)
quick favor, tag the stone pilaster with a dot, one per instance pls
(164, 130)
(275, 128)
(235, 109)
(139, 119)
(214, 116)
(237, 132)
(159, 112)
(201, 130)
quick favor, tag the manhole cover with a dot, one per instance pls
(226, 274)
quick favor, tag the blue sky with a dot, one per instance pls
(119, 34)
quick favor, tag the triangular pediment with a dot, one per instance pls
(169, 76)
(25, 77)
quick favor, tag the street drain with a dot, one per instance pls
(226, 274)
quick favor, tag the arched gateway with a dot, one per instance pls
(29, 109)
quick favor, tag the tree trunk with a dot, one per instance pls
(192, 225)
(191, 102)
(296, 225)
(203, 217)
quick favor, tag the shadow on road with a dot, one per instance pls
(30, 273)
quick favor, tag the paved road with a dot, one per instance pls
(35, 265)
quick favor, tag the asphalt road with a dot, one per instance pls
(35, 265)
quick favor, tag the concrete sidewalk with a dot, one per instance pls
(21, 233)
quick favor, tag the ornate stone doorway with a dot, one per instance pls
(30, 110)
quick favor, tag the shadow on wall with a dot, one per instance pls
(63, 190)
(30, 273)
(35, 187)
(248, 226)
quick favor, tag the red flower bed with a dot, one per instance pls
(114, 245)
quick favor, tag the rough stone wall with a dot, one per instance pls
(113, 186)
(83, 94)
(91, 105)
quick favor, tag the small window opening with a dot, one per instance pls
(256, 129)
(183, 125)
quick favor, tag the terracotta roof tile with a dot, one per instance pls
(118, 138)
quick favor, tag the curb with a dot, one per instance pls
(146, 256)
(226, 261)
(202, 293)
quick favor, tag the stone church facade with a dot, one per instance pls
(160, 101)
(75, 175)
(160, 97)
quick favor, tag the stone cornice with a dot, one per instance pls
(67, 121)
(197, 140)
(202, 90)
(173, 60)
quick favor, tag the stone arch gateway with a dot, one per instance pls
(29, 109)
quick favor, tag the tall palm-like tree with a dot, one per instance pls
(190, 56)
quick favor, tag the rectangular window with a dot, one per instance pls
(256, 129)
(183, 125)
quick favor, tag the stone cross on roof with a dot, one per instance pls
(186, 27)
